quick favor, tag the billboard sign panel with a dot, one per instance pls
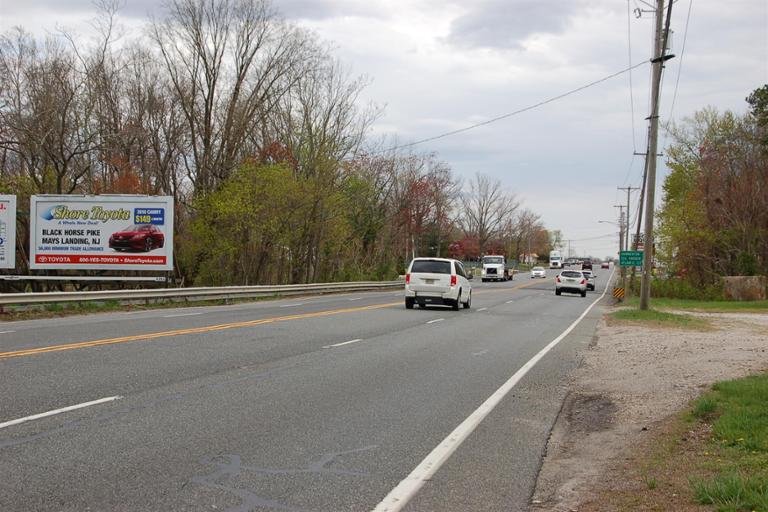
(120, 232)
(7, 231)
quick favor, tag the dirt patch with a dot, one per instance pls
(626, 392)
(589, 413)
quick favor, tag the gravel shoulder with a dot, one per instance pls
(631, 380)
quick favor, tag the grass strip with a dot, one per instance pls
(736, 457)
(711, 457)
(719, 306)
(655, 318)
(61, 309)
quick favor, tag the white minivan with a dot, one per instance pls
(437, 281)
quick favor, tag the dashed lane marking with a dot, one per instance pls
(343, 343)
(58, 411)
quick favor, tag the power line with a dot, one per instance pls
(629, 170)
(631, 89)
(680, 65)
(592, 238)
(516, 112)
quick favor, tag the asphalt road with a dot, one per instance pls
(305, 404)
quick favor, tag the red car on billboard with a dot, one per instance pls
(137, 237)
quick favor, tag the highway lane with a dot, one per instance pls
(212, 353)
(265, 417)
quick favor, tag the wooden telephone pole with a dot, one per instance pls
(659, 57)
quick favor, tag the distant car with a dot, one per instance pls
(586, 265)
(437, 281)
(137, 237)
(605, 264)
(571, 281)
(538, 272)
(590, 279)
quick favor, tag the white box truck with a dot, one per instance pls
(555, 260)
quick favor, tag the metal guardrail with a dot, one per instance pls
(192, 294)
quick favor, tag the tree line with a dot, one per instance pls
(258, 133)
(714, 217)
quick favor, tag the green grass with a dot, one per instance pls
(738, 450)
(703, 407)
(758, 306)
(732, 493)
(661, 319)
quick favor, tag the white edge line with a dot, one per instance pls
(410, 485)
(59, 411)
(292, 305)
(355, 298)
(344, 343)
(6, 332)
(183, 314)
(482, 309)
(436, 320)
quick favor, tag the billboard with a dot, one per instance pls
(111, 232)
(7, 231)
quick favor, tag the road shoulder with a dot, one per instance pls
(632, 379)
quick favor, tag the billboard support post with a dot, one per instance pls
(7, 231)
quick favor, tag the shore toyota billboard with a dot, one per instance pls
(7, 231)
(111, 232)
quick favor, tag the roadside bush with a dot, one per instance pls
(676, 288)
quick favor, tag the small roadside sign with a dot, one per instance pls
(631, 258)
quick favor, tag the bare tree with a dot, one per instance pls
(229, 63)
(45, 115)
(486, 210)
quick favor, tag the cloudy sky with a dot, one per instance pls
(441, 65)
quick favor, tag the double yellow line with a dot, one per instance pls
(194, 330)
(212, 328)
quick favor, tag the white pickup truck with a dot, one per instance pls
(495, 269)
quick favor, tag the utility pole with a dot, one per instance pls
(621, 242)
(659, 57)
(626, 231)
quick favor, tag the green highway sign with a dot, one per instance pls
(631, 258)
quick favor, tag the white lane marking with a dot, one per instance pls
(436, 320)
(509, 302)
(410, 485)
(6, 332)
(355, 298)
(292, 305)
(183, 314)
(482, 309)
(344, 343)
(479, 353)
(58, 411)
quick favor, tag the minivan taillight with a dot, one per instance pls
(407, 278)
(453, 281)
(583, 281)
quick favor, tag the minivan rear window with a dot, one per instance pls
(431, 267)
(571, 273)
